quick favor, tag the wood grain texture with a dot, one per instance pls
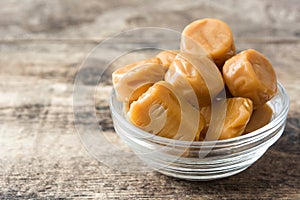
(42, 45)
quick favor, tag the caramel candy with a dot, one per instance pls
(139, 91)
(166, 57)
(238, 114)
(249, 74)
(260, 117)
(206, 113)
(214, 36)
(161, 111)
(134, 79)
(187, 79)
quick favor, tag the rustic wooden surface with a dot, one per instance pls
(43, 43)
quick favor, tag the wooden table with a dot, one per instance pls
(43, 43)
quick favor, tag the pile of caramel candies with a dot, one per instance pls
(165, 93)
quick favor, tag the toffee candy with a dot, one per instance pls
(166, 57)
(186, 78)
(134, 79)
(238, 114)
(159, 111)
(249, 74)
(214, 36)
(260, 117)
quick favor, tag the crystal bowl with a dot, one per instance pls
(203, 160)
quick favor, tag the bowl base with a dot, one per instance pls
(197, 177)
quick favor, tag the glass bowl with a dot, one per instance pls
(206, 160)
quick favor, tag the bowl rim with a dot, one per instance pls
(159, 139)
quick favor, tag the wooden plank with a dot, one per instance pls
(99, 19)
(41, 155)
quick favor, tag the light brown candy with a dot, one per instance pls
(214, 36)
(260, 117)
(119, 73)
(187, 79)
(249, 74)
(238, 114)
(206, 112)
(134, 79)
(160, 111)
(139, 91)
(166, 57)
